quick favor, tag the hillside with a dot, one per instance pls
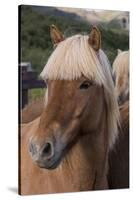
(94, 15)
(35, 39)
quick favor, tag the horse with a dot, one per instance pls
(32, 110)
(121, 76)
(118, 156)
(66, 149)
(118, 175)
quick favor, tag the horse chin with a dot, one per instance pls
(49, 167)
(50, 164)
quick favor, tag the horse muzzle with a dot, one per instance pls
(48, 155)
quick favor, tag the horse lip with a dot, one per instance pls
(54, 165)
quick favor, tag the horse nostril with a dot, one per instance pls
(32, 148)
(47, 150)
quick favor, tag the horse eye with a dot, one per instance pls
(85, 85)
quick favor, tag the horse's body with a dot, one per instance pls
(118, 174)
(32, 110)
(121, 76)
(66, 148)
(119, 156)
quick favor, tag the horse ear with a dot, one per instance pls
(119, 51)
(95, 38)
(56, 35)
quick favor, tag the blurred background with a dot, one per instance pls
(35, 42)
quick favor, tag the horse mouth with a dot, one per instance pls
(49, 164)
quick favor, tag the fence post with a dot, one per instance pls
(24, 97)
(28, 80)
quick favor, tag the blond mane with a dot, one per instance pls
(73, 58)
(121, 73)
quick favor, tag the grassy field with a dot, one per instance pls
(35, 93)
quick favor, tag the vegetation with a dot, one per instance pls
(36, 44)
(35, 39)
(35, 93)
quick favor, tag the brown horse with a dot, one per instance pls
(118, 176)
(66, 148)
(32, 110)
(121, 76)
(119, 156)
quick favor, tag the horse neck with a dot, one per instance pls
(88, 159)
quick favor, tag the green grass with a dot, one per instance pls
(35, 93)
